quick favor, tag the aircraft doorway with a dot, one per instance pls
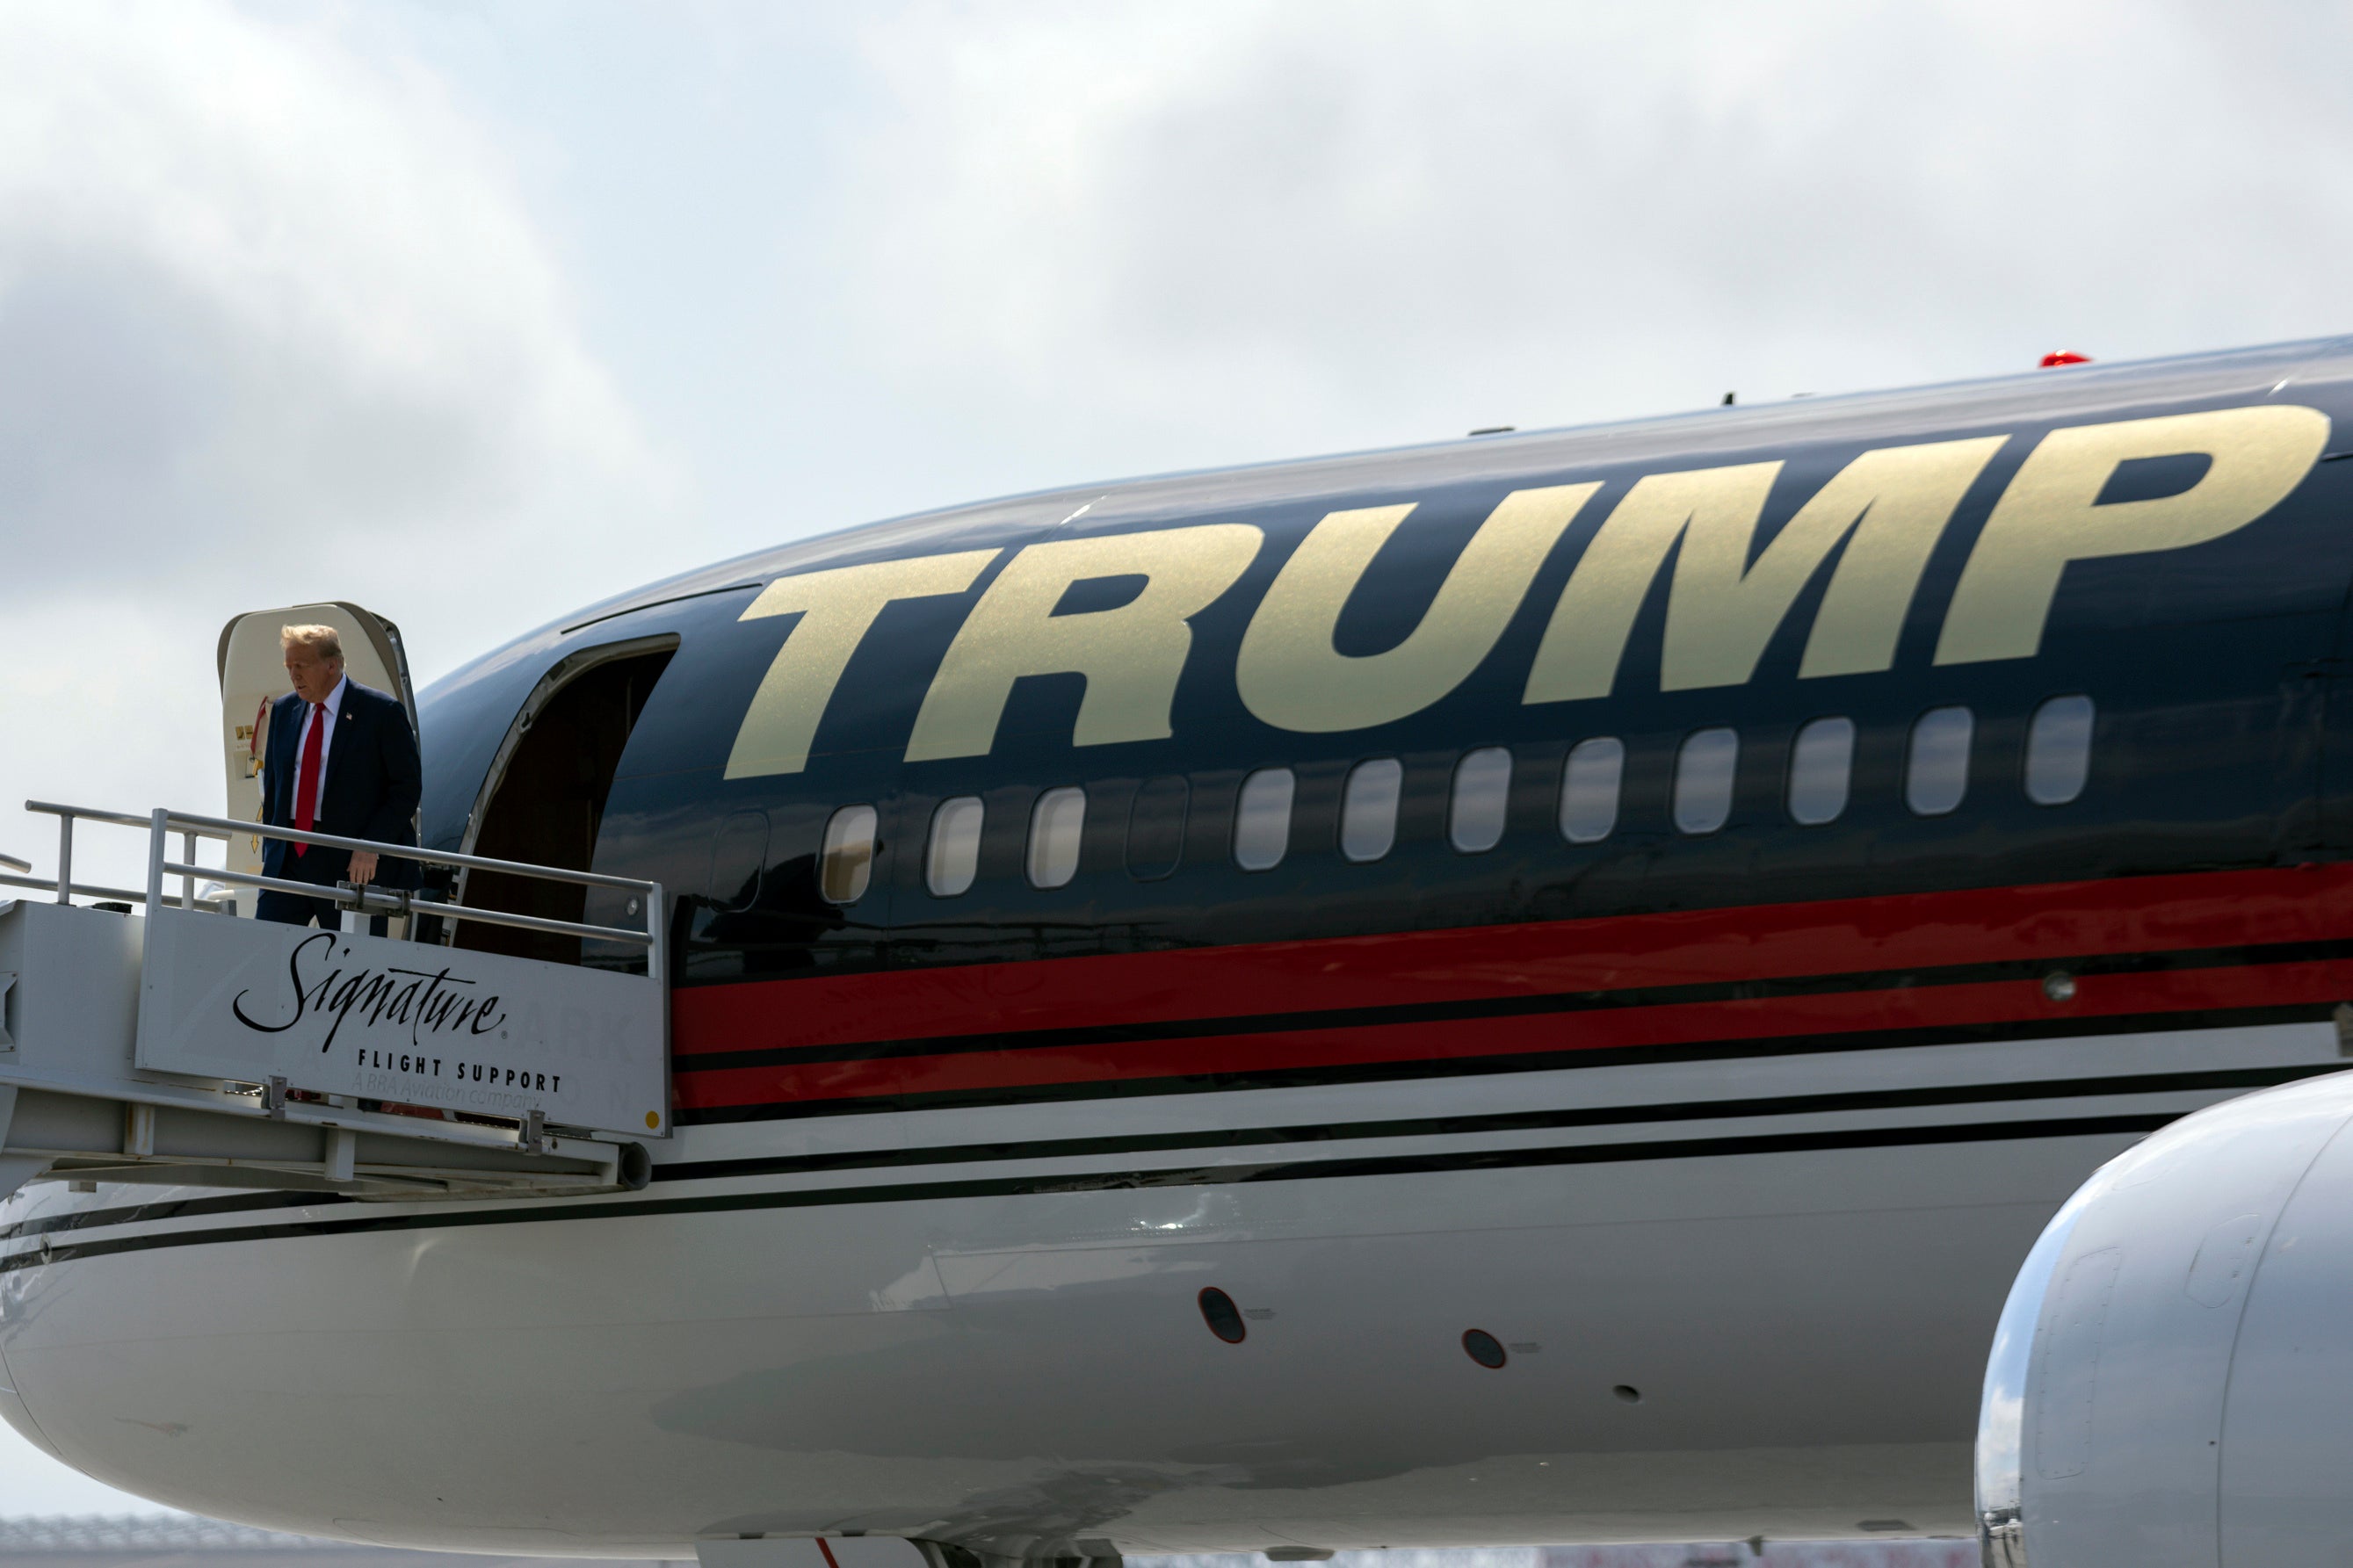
(251, 664)
(544, 800)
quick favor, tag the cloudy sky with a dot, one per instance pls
(475, 315)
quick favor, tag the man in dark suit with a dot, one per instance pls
(341, 760)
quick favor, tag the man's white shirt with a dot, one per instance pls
(322, 713)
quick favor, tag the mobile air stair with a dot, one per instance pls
(155, 1038)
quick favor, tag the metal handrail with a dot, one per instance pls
(99, 890)
(65, 886)
(176, 821)
(125, 819)
(162, 823)
(14, 864)
(401, 901)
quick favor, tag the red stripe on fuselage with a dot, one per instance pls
(1889, 935)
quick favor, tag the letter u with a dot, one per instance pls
(1292, 677)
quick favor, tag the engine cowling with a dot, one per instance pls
(2172, 1382)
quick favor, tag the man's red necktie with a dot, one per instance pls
(306, 783)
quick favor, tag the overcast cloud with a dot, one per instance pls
(254, 288)
(1332, 224)
(474, 314)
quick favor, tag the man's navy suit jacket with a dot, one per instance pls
(374, 780)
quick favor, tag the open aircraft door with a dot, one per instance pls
(253, 675)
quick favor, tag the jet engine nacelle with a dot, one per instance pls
(2172, 1382)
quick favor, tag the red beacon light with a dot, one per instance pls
(2064, 356)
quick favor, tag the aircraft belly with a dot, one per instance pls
(571, 1386)
(1011, 1345)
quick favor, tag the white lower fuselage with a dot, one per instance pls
(1738, 1297)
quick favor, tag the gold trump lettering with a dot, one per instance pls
(2051, 514)
(1131, 655)
(1889, 506)
(1292, 676)
(837, 609)
(1882, 515)
(1595, 614)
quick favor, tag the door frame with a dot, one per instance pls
(552, 680)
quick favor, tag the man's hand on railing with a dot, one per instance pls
(362, 870)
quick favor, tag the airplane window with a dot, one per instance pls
(1483, 789)
(1054, 827)
(1155, 827)
(1368, 809)
(1589, 789)
(2059, 751)
(1820, 766)
(848, 861)
(1262, 819)
(1938, 773)
(1703, 771)
(955, 857)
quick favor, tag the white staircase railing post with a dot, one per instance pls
(658, 934)
(158, 839)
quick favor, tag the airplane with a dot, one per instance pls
(1537, 987)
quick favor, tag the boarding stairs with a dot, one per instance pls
(154, 1036)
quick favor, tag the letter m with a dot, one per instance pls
(1723, 608)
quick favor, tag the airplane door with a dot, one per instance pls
(253, 675)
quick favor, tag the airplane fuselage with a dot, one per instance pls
(1529, 989)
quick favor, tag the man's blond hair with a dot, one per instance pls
(324, 641)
